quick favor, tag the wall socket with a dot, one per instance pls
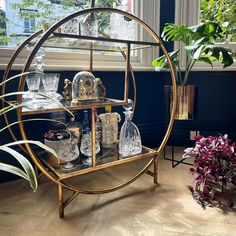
(194, 133)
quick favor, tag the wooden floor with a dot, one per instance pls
(142, 208)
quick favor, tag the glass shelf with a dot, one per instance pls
(79, 42)
(44, 106)
(106, 158)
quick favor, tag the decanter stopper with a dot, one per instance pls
(129, 106)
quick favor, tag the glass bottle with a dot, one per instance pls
(85, 123)
(107, 133)
(75, 128)
(130, 140)
(98, 127)
(86, 142)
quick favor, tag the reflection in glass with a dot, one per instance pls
(89, 25)
(122, 27)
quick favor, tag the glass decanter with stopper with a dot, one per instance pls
(130, 140)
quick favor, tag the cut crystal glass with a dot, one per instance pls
(89, 26)
(33, 83)
(130, 140)
(50, 83)
(71, 27)
(68, 152)
(86, 148)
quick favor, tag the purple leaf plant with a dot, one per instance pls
(214, 166)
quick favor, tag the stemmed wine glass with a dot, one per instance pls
(86, 148)
(68, 151)
(33, 82)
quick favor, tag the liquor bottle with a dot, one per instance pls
(107, 131)
(75, 128)
(98, 127)
(86, 129)
(86, 144)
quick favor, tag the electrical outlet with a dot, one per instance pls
(194, 133)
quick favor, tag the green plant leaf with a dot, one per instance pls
(162, 63)
(5, 109)
(18, 75)
(38, 143)
(24, 163)
(206, 60)
(43, 95)
(13, 170)
(208, 29)
(172, 32)
(33, 119)
(220, 54)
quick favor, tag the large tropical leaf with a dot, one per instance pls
(24, 163)
(172, 32)
(162, 63)
(220, 54)
(208, 30)
(206, 60)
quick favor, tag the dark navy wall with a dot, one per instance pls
(215, 109)
(215, 105)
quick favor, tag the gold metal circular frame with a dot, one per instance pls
(43, 38)
(5, 77)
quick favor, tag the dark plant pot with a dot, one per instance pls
(185, 101)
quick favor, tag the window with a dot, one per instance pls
(196, 11)
(54, 10)
(29, 20)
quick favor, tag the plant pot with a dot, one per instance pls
(185, 97)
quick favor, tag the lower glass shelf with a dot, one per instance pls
(106, 158)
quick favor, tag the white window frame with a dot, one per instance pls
(147, 10)
(31, 22)
(187, 12)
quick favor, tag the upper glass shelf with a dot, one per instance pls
(39, 106)
(78, 42)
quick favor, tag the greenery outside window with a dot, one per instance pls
(221, 11)
(55, 10)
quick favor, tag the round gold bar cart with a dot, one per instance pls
(149, 155)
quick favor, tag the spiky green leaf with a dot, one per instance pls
(13, 170)
(24, 163)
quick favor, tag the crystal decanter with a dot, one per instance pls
(130, 140)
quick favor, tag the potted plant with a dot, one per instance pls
(214, 167)
(26, 170)
(200, 46)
